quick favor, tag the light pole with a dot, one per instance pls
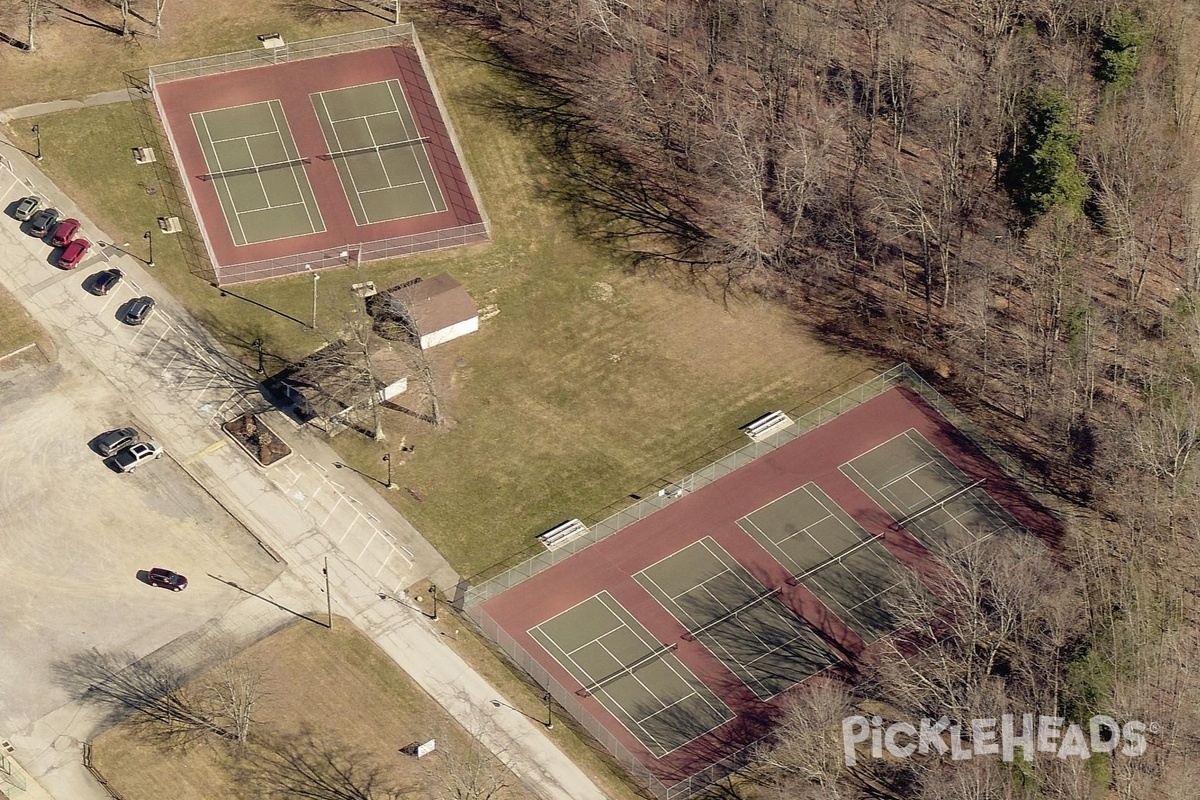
(387, 459)
(36, 130)
(328, 597)
(433, 596)
(549, 714)
(149, 237)
(316, 278)
(258, 345)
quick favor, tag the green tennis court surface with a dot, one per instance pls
(747, 627)
(928, 494)
(378, 151)
(257, 172)
(831, 555)
(637, 679)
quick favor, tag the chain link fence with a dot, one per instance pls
(899, 376)
(286, 53)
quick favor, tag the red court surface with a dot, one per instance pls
(712, 511)
(291, 84)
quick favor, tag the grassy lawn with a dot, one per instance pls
(77, 57)
(591, 383)
(18, 329)
(329, 698)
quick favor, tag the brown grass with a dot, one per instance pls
(333, 690)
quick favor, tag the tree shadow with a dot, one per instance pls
(320, 10)
(145, 690)
(306, 766)
(80, 18)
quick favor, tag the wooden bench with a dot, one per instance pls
(766, 425)
(562, 533)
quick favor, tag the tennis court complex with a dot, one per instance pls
(740, 621)
(256, 169)
(637, 679)
(827, 552)
(379, 154)
(927, 494)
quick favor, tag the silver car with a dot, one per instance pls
(27, 207)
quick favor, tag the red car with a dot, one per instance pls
(73, 253)
(166, 579)
(64, 232)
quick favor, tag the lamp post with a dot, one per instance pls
(36, 130)
(387, 459)
(433, 596)
(328, 597)
(258, 345)
(149, 237)
(316, 278)
(549, 714)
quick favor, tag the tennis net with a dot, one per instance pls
(258, 168)
(659, 652)
(375, 148)
(691, 635)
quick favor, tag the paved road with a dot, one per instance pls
(180, 382)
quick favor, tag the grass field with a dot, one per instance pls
(330, 701)
(77, 56)
(589, 384)
(18, 329)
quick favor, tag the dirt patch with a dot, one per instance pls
(257, 439)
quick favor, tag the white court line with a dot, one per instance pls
(217, 160)
(293, 153)
(336, 147)
(424, 177)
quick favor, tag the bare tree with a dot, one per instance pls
(394, 320)
(305, 766)
(805, 758)
(232, 692)
(467, 771)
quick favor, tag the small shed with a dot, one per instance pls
(435, 310)
(343, 383)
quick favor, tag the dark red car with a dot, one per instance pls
(73, 253)
(166, 579)
(64, 232)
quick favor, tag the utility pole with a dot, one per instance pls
(328, 596)
(549, 713)
(258, 345)
(316, 278)
(387, 459)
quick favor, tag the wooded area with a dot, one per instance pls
(1000, 192)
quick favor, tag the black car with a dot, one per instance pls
(43, 221)
(166, 579)
(104, 282)
(111, 442)
(139, 311)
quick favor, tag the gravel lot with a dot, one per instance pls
(74, 535)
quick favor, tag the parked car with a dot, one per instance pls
(64, 232)
(26, 207)
(73, 253)
(115, 440)
(166, 579)
(104, 282)
(128, 459)
(139, 311)
(43, 221)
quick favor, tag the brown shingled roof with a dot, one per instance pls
(436, 302)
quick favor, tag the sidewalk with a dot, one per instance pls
(310, 514)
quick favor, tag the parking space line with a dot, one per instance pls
(212, 448)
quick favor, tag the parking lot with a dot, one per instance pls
(74, 535)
